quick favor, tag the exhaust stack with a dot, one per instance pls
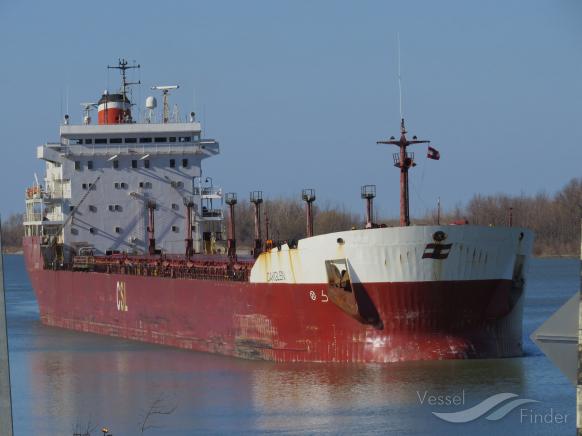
(368, 193)
(257, 198)
(231, 200)
(308, 196)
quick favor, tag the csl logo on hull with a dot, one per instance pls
(121, 296)
(436, 251)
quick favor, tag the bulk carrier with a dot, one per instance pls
(122, 239)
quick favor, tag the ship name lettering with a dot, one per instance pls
(275, 276)
(121, 296)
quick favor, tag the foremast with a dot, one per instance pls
(404, 160)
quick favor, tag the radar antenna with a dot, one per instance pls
(87, 112)
(165, 89)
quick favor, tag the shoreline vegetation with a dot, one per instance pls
(555, 219)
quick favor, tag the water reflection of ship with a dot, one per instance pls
(308, 396)
(113, 384)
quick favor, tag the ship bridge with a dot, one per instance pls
(126, 186)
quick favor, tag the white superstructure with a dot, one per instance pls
(106, 182)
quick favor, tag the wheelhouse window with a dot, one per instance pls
(146, 163)
(115, 141)
(100, 140)
(78, 165)
(145, 140)
(134, 163)
(172, 139)
(161, 139)
(172, 163)
(185, 163)
(130, 140)
(89, 141)
(184, 139)
(115, 164)
(89, 164)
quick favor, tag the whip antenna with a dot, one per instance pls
(399, 77)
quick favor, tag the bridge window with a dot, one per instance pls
(89, 141)
(116, 185)
(89, 164)
(78, 165)
(116, 164)
(117, 229)
(75, 141)
(185, 163)
(115, 141)
(162, 139)
(100, 140)
(118, 208)
(184, 139)
(172, 139)
(145, 140)
(134, 163)
(172, 163)
(146, 163)
(130, 140)
(84, 186)
(111, 208)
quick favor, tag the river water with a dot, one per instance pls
(62, 380)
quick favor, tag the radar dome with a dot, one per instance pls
(151, 102)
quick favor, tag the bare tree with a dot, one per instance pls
(158, 407)
(80, 430)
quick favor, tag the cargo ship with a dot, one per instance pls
(123, 238)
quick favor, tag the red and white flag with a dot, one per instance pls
(433, 153)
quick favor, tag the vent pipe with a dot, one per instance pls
(231, 200)
(257, 199)
(368, 193)
(308, 196)
(151, 227)
(189, 203)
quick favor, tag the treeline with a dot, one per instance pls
(12, 232)
(555, 219)
(287, 220)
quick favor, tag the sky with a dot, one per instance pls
(298, 92)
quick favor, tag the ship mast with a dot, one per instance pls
(404, 160)
(122, 67)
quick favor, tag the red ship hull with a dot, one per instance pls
(282, 322)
